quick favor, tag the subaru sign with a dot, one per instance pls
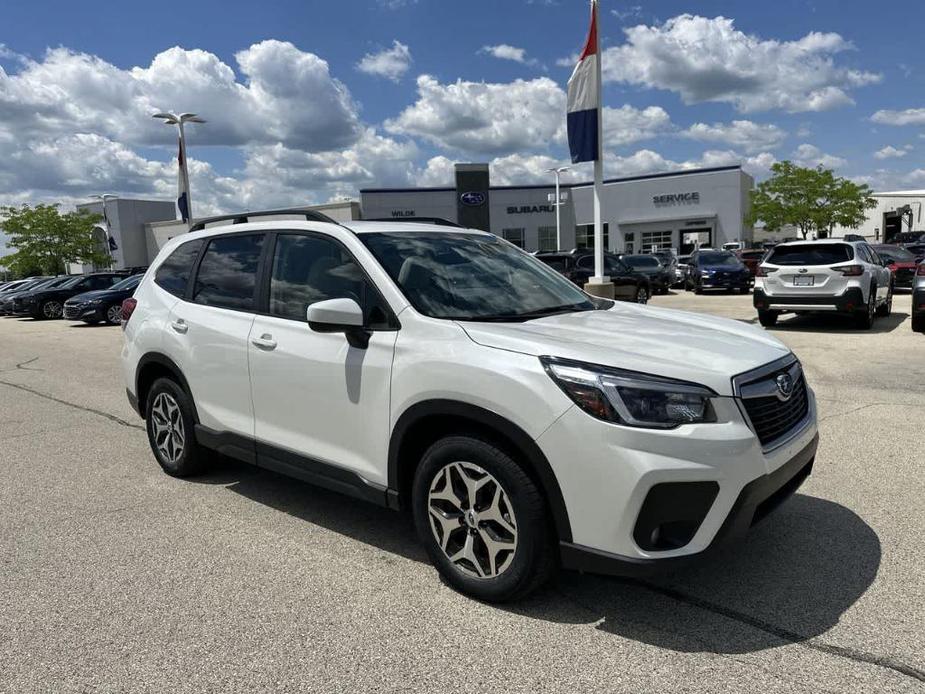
(472, 199)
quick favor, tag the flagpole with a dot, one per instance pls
(599, 277)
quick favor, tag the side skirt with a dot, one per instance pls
(295, 465)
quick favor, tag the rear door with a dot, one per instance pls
(316, 398)
(208, 331)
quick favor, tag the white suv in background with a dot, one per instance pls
(825, 275)
(525, 424)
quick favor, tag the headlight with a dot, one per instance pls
(630, 398)
(95, 302)
(706, 273)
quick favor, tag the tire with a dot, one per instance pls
(114, 317)
(885, 309)
(698, 289)
(918, 322)
(768, 318)
(52, 309)
(864, 319)
(456, 538)
(642, 295)
(178, 456)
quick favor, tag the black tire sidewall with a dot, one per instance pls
(533, 554)
(189, 462)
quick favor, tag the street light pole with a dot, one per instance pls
(183, 195)
(558, 171)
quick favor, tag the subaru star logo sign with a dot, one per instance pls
(784, 386)
(472, 199)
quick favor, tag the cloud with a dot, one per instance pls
(743, 134)
(891, 152)
(285, 95)
(710, 60)
(391, 63)
(396, 4)
(627, 124)
(909, 116)
(505, 52)
(485, 118)
(631, 12)
(811, 156)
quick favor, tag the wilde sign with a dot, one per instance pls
(677, 199)
(403, 213)
(531, 209)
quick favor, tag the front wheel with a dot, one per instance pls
(887, 307)
(114, 314)
(642, 295)
(52, 309)
(768, 318)
(918, 322)
(482, 520)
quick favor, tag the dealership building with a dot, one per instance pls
(679, 210)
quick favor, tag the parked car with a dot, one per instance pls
(751, 259)
(103, 304)
(525, 424)
(828, 275)
(918, 300)
(907, 237)
(578, 266)
(7, 297)
(901, 262)
(917, 250)
(14, 285)
(648, 265)
(49, 302)
(717, 270)
(681, 271)
(669, 261)
(15, 306)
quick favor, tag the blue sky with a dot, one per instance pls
(310, 101)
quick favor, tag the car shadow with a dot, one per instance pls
(836, 323)
(791, 579)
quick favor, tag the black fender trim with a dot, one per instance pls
(171, 366)
(490, 420)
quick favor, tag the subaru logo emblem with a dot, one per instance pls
(472, 199)
(803, 269)
(784, 386)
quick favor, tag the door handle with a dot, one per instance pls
(180, 326)
(265, 341)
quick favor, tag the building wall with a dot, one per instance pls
(127, 219)
(872, 228)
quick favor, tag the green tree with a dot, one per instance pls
(46, 240)
(810, 199)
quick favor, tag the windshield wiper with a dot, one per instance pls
(531, 315)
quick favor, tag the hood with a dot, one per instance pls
(649, 270)
(664, 342)
(724, 268)
(97, 294)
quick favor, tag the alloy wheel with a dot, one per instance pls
(169, 432)
(52, 309)
(114, 314)
(642, 296)
(472, 520)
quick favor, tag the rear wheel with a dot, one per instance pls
(887, 307)
(482, 520)
(52, 309)
(918, 322)
(642, 295)
(768, 318)
(864, 319)
(171, 429)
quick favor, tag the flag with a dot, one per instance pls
(584, 100)
(182, 185)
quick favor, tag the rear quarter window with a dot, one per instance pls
(173, 274)
(818, 254)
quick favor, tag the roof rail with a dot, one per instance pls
(244, 217)
(439, 221)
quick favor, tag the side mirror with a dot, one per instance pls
(339, 316)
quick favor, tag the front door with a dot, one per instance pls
(315, 396)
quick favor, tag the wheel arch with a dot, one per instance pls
(152, 366)
(425, 422)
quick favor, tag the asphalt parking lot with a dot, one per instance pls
(117, 578)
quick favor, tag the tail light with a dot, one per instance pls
(850, 270)
(921, 271)
(765, 271)
(128, 308)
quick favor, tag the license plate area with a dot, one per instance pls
(804, 281)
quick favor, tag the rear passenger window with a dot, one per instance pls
(174, 272)
(227, 275)
(308, 269)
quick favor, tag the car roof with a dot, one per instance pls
(818, 242)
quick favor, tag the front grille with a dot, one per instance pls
(771, 417)
(904, 276)
(72, 310)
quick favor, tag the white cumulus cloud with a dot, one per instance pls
(891, 152)
(909, 116)
(503, 51)
(811, 156)
(391, 63)
(743, 134)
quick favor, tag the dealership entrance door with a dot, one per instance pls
(692, 239)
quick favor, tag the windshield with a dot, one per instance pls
(466, 276)
(128, 283)
(718, 259)
(815, 254)
(74, 281)
(899, 255)
(641, 262)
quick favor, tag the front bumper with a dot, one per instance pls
(83, 312)
(848, 302)
(710, 480)
(918, 301)
(728, 282)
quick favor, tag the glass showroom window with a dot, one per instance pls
(660, 239)
(515, 236)
(584, 236)
(547, 239)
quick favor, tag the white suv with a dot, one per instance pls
(826, 275)
(525, 424)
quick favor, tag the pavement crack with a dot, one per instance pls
(82, 408)
(792, 637)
